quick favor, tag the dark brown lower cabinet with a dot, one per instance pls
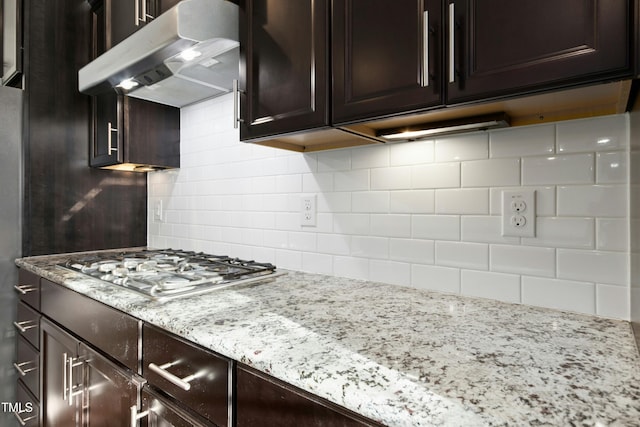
(161, 412)
(81, 387)
(264, 401)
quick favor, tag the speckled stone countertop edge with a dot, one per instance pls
(385, 378)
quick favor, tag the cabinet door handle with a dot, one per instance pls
(24, 372)
(23, 421)
(68, 363)
(109, 139)
(25, 325)
(135, 416)
(25, 289)
(161, 370)
(236, 104)
(452, 42)
(425, 49)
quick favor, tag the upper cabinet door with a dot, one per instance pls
(505, 47)
(386, 57)
(284, 62)
(125, 17)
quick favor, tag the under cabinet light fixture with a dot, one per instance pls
(447, 127)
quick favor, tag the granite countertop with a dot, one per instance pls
(402, 356)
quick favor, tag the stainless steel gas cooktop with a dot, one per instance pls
(170, 273)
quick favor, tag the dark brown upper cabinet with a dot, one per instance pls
(400, 57)
(134, 134)
(125, 17)
(284, 69)
(398, 64)
(129, 133)
(386, 57)
(504, 47)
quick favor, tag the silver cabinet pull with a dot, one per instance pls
(425, 49)
(236, 104)
(141, 12)
(161, 370)
(23, 372)
(135, 416)
(109, 139)
(24, 421)
(25, 325)
(68, 363)
(25, 289)
(452, 42)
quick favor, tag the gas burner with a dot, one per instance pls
(170, 273)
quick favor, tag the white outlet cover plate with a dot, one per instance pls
(512, 203)
(308, 210)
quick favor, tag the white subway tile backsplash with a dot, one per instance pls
(595, 266)
(612, 234)
(612, 301)
(434, 278)
(469, 201)
(412, 201)
(391, 225)
(396, 273)
(412, 250)
(357, 268)
(411, 153)
(463, 255)
(491, 173)
(370, 247)
(557, 232)
(593, 200)
(435, 227)
(336, 244)
(559, 294)
(397, 177)
(561, 169)
(351, 223)
(521, 142)
(436, 175)
(370, 157)
(483, 284)
(524, 260)
(611, 168)
(596, 134)
(462, 147)
(426, 213)
(484, 229)
(356, 180)
(370, 201)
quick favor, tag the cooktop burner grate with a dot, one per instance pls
(170, 273)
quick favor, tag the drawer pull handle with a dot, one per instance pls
(135, 416)
(25, 289)
(24, 421)
(183, 383)
(25, 325)
(24, 372)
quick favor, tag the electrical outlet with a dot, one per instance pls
(158, 211)
(519, 213)
(308, 210)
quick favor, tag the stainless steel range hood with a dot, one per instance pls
(187, 54)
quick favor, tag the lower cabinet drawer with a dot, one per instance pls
(28, 324)
(26, 409)
(195, 377)
(27, 366)
(105, 328)
(161, 412)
